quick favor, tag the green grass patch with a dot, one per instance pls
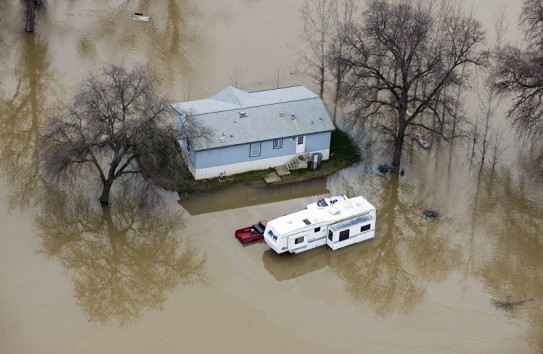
(343, 149)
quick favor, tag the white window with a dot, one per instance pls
(254, 149)
(300, 140)
(277, 143)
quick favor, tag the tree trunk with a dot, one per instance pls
(30, 15)
(104, 198)
(398, 144)
(321, 82)
(336, 97)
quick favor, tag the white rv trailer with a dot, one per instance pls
(338, 225)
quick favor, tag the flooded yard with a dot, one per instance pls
(76, 279)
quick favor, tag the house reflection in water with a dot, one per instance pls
(254, 193)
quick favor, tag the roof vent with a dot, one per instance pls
(333, 211)
(292, 115)
(242, 114)
(222, 138)
(281, 114)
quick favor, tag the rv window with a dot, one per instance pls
(365, 227)
(343, 235)
(330, 234)
(298, 240)
(317, 229)
(270, 232)
(322, 203)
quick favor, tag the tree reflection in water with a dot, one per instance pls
(512, 270)
(408, 251)
(22, 110)
(124, 259)
(391, 271)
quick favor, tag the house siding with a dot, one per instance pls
(235, 159)
(231, 169)
(318, 142)
(240, 153)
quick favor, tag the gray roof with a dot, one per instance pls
(239, 117)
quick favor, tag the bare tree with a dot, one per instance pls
(31, 8)
(405, 58)
(497, 149)
(531, 21)
(117, 119)
(277, 80)
(343, 12)
(488, 95)
(317, 18)
(488, 107)
(235, 78)
(520, 72)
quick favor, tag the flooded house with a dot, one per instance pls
(255, 130)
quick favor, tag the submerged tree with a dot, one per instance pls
(520, 72)
(317, 18)
(343, 12)
(117, 119)
(31, 8)
(405, 58)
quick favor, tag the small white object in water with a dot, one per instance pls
(140, 17)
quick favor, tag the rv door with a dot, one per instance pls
(330, 238)
(297, 243)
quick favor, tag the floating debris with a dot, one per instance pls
(507, 305)
(138, 16)
(422, 142)
(430, 213)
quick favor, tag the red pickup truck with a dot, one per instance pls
(251, 233)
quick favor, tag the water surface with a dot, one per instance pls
(78, 278)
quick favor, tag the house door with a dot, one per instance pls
(300, 144)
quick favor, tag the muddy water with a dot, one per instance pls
(76, 278)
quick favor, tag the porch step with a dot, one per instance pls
(271, 177)
(292, 164)
(282, 171)
(300, 161)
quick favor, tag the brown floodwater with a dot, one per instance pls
(78, 279)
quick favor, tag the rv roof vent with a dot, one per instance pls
(242, 114)
(333, 211)
(281, 114)
(307, 222)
